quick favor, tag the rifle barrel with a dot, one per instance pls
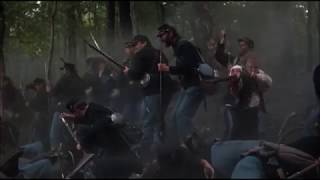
(217, 80)
(104, 55)
(299, 173)
(70, 131)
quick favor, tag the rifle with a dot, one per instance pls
(144, 82)
(74, 137)
(108, 57)
(81, 164)
(86, 156)
(162, 126)
(303, 171)
(284, 125)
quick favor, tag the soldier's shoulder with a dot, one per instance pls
(100, 108)
(184, 42)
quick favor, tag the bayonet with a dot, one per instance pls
(95, 42)
(108, 57)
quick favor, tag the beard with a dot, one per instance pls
(166, 42)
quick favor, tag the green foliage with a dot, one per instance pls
(28, 22)
(147, 24)
(27, 26)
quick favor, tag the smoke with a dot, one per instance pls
(277, 28)
(279, 32)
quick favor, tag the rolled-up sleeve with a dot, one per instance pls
(264, 81)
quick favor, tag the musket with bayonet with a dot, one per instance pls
(298, 174)
(87, 157)
(162, 127)
(74, 137)
(144, 82)
(108, 57)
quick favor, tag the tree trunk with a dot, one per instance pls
(2, 65)
(162, 12)
(71, 32)
(133, 18)
(202, 25)
(318, 24)
(94, 19)
(309, 37)
(82, 48)
(110, 33)
(125, 20)
(52, 32)
(2, 34)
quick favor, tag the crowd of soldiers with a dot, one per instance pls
(113, 123)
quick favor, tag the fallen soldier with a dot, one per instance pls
(262, 159)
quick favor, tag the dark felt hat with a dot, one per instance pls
(68, 67)
(75, 103)
(164, 29)
(140, 38)
(129, 44)
(248, 41)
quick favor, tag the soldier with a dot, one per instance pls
(68, 87)
(245, 99)
(312, 124)
(144, 70)
(99, 132)
(187, 61)
(186, 160)
(99, 79)
(32, 161)
(14, 168)
(40, 106)
(242, 159)
(13, 101)
(133, 108)
(16, 113)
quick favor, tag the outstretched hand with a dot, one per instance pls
(222, 36)
(207, 169)
(126, 70)
(48, 88)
